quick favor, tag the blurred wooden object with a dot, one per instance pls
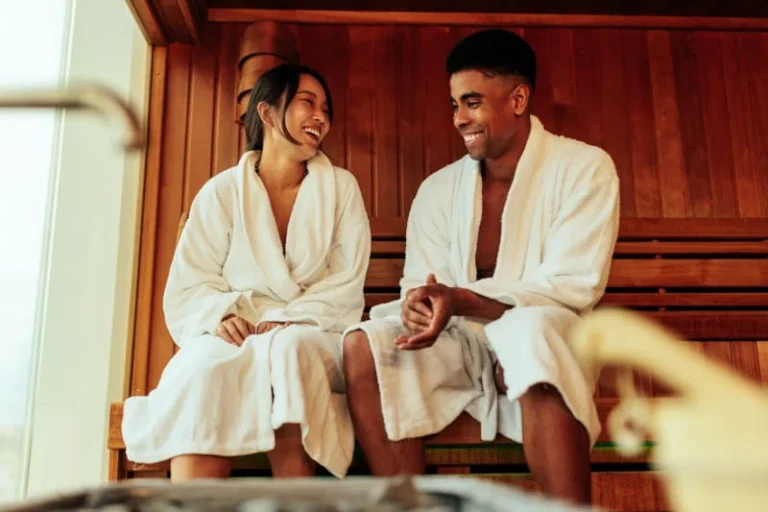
(711, 439)
(265, 45)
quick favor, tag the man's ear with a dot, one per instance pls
(520, 98)
(265, 112)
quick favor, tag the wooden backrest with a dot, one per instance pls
(707, 279)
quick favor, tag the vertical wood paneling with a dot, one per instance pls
(360, 110)
(146, 309)
(614, 114)
(202, 87)
(717, 137)
(672, 179)
(563, 72)
(589, 88)
(755, 49)
(387, 175)
(543, 96)
(746, 360)
(741, 109)
(641, 120)
(691, 122)
(225, 127)
(762, 357)
(411, 94)
(171, 196)
(435, 44)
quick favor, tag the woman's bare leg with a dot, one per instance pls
(288, 459)
(190, 467)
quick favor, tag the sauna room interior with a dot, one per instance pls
(114, 114)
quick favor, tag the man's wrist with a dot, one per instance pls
(463, 300)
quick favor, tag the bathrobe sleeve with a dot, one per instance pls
(337, 300)
(427, 245)
(196, 295)
(427, 249)
(578, 249)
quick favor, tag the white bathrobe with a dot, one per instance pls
(559, 228)
(216, 398)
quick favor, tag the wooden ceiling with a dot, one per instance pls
(718, 8)
(168, 21)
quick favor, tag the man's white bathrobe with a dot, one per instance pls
(559, 228)
(216, 398)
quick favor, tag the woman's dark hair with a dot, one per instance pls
(279, 81)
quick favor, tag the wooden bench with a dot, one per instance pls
(705, 279)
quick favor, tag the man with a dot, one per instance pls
(505, 249)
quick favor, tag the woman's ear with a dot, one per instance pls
(265, 111)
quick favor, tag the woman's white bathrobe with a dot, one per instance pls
(216, 398)
(559, 228)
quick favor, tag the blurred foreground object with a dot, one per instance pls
(354, 494)
(81, 97)
(711, 441)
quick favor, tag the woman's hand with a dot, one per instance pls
(268, 326)
(234, 329)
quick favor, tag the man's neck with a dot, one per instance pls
(502, 169)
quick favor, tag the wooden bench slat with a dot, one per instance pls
(388, 248)
(640, 299)
(689, 273)
(691, 248)
(397, 248)
(705, 299)
(714, 325)
(637, 228)
(633, 273)
(693, 229)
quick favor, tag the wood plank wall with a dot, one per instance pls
(683, 113)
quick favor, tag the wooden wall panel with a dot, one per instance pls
(193, 135)
(683, 114)
(661, 102)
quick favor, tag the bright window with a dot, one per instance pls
(32, 51)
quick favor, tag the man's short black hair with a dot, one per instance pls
(496, 52)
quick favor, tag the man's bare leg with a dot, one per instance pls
(556, 445)
(288, 459)
(385, 457)
(190, 467)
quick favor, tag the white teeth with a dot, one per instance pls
(312, 131)
(471, 137)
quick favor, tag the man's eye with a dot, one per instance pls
(473, 104)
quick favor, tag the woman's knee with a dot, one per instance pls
(308, 353)
(294, 348)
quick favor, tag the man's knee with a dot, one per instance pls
(541, 396)
(357, 356)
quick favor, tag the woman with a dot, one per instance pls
(269, 270)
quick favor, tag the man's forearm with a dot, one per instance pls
(468, 303)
